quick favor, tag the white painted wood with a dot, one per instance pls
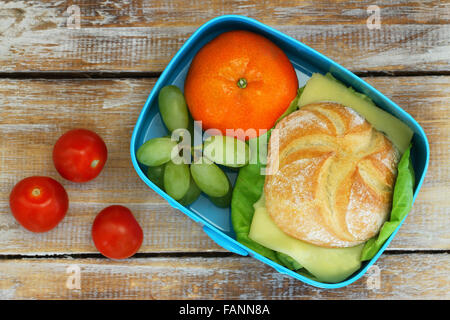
(412, 276)
(144, 35)
(33, 113)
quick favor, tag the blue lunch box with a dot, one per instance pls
(216, 222)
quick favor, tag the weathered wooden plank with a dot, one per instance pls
(165, 230)
(144, 35)
(412, 276)
(303, 12)
(33, 113)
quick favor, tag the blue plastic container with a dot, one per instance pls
(216, 222)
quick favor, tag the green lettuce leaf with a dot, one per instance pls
(288, 261)
(401, 205)
(247, 190)
(293, 106)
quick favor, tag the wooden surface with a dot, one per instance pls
(53, 79)
(142, 36)
(401, 277)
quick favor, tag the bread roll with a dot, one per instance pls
(332, 176)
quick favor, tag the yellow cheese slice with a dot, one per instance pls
(322, 88)
(327, 264)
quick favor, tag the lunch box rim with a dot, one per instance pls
(214, 233)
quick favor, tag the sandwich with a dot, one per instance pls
(333, 168)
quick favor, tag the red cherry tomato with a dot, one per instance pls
(38, 203)
(116, 233)
(79, 155)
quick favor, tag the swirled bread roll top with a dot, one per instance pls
(330, 176)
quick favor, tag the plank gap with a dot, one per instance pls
(70, 75)
(177, 255)
(100, 75)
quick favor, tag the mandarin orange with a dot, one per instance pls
(240, 80)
